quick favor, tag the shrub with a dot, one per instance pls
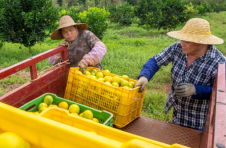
(207, 7)
(123, 14)
(131, 2)
(126, 14)
(74, 13)
(60, 2)
(201, 9)
(89, 3)
(82, 2)
(165, 14)
(204, 8)
(222, 6)
(25, 21)
(142, 9)
(215, 7)
(96, 20)
(190, 11)
(114, 14)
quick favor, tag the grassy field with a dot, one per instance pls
(128, 50)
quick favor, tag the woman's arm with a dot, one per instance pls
(98, 51)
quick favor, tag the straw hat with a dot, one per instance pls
(66, 21)
(196, 30)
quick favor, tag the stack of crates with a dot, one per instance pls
(125, 104)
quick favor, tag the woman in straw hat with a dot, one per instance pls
(84, 48)
(194, 66)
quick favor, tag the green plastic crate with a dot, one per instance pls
(104, 117)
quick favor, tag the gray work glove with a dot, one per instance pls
(185, 90)
(143, 81)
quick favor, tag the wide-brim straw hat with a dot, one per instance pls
(196, 30)
(66, 21)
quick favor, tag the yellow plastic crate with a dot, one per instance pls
(125, 104)
(42, 132)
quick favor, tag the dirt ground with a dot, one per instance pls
(166, 88)
(14, 81)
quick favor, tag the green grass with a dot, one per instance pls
(129, 48)
(14, 53)
(127, 54)
(218, 27)
(11, 82)
(153, 106)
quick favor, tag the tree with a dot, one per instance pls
(96, 19)
(82, 2)
(132, 2)
(26, 21)
(60, 2)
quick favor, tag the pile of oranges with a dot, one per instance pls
(73, 109)
(107, 78)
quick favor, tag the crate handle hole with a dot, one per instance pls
(31, 107)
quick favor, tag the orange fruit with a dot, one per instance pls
(126, 87)
(53, 105)
(81, 114)
(93, 74)
(36, 113)
(87, 73)
(88, 114)
(79, 72)
(42, 105)
(93, 71)
(101, 79)
(108, 83)
(124, 83)
(125, 77)
(75, 114)
(131, 85)
(63, 105)
(93, 77)
(74, 108)
(116, 79)
(48, 100)
(42, 109)
(115, 84)
(95, 120)
(108, 78)
(106, 72)
(99, 75)
(12, 140)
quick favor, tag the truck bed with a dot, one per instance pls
(164, 132)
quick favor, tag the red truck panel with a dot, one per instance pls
(215, 128)
(53, 81)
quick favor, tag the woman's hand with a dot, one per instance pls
(143, 81)
(85, 62)
(64, 43)
(185, 90)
